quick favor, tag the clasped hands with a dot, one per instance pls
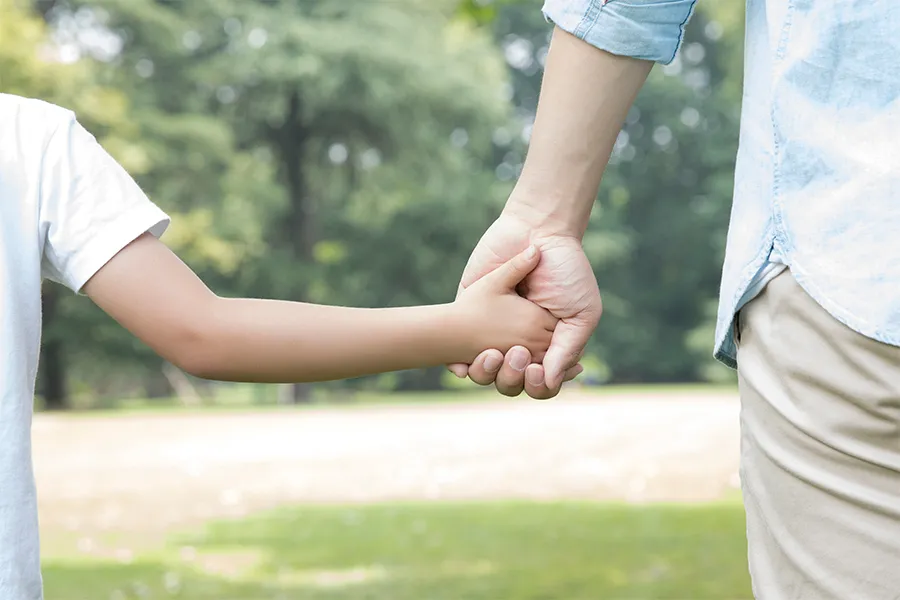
(563, 283)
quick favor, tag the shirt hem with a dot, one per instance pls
(726, 350)
(652, 32)
(113, 239)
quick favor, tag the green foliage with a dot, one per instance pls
(294, 142)
(668, 191)
(576, 551)
(313, 152)
(483, 12)
(656, 236)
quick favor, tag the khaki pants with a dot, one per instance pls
(820, 452)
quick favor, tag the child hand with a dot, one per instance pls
(493, 315)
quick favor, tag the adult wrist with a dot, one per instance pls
(549, 212)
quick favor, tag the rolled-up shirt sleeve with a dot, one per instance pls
(646, 29)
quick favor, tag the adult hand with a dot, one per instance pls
(585, 95)
(563, 283)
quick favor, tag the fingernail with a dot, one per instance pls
(518, 361)
(492, 363)
(532, 250)
(534, 376)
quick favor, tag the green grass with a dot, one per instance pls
(244, 397)
(661, 389)
(232, 397)
(457, 551)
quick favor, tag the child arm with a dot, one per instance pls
(147, 289)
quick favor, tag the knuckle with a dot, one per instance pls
(481, 377)
(509, 391)
(540, 393)
(510, 383)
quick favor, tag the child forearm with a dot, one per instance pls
(274, 341)
(146, 288)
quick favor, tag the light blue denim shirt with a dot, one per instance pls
(817, 182)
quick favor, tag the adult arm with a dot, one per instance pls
(599, 57)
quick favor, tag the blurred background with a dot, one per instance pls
(351, 152)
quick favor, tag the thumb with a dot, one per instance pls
(569, 339)
(510, 274)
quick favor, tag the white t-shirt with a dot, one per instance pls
(66, 208)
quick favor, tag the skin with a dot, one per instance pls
(154, 295)
(585, 96)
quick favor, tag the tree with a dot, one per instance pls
(308, 151)
(656, 237)
(287, 137)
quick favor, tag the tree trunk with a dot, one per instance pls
(45, 7)
(422, 380)
(181, 383)
(300, 224)
(53, 363)
(295, 393)
(157, 386)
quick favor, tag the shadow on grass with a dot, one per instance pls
(459, 551)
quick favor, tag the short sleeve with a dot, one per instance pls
(646, 29)
(90, 207)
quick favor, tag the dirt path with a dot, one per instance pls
(156, 473)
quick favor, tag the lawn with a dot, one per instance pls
(256, 397)
(435, 551)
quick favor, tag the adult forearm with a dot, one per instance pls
(585, 96)
(274, 341)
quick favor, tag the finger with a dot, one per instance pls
(570, 337)
(461, 370)
(511, 273)
(569, 340)
(573, 373)
(536, 384)
(484, 369)
(511, 378)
